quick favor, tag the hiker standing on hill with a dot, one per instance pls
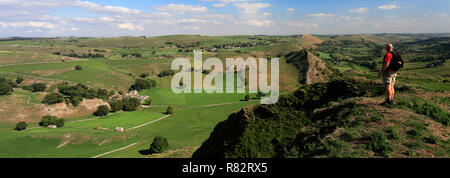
(392, 63)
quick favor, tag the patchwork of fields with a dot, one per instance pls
(121, 61)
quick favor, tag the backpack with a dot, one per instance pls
(396, 62)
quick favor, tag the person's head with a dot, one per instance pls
(389, 47)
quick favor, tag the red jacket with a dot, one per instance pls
(387, 58)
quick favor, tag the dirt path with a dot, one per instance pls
(29, 98)
(148, 123)
(109, 152)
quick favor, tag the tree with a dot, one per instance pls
(76, 100)
(19, 80)
(159, 145)
(152, 83)
(102, 94)
(169, 110)
(141, 84)
(147, 102)
(5, 89)
(102, 110)
(130, 104)
(144, 75)
(247, 97)
(116, 105)
(59, 123)
(27, 87)
(260, 94)
(38, 87)
(78, 67)
(48, 120)
(53, 98)
(21, 126)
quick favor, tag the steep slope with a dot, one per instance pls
(309, 41)
(318, 121)
(311, 68)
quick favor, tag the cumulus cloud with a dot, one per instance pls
(250, 14)
(100, 8)
(321, 15)
(182, 8)
(220, 5)
(107, 19)
(360, 10)
(130, 26)
(27, 24)
(388, 7)
(302, 24)
(290, 9)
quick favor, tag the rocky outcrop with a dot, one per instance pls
(265, 131)
(311, 68)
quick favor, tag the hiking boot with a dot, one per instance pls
(387, 102)
(391, 101)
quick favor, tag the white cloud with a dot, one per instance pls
(74, 29)
(107, 19)
(360, 10)
(250, 14)
(27, 24)
(194, 20)
(130, 26)
(388, 7)
(321, 15)
(182, 8)
(220, 5)
(100, 8)
(290, 9)
(302, 24)
(83, 19)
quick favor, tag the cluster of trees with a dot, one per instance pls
(75, 94)
(38, 87)
(142, 84)
(100, 50)
(102, 110)
(435, 63)
(84, 55)
(53, 98)
(166, 73)
(6, 86)
(51, 120)
(126, 104)
(132, 55)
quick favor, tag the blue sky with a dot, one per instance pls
(102, 18)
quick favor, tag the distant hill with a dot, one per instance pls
(309, 41)
(311, 68)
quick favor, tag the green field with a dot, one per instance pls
(73, 142)
(124, 119)
(165, 96)
(187, 127)
(95, 73)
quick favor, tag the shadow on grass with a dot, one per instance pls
(145, 152)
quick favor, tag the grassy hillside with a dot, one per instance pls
(341, 118)
(318, 121)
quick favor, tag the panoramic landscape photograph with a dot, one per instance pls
(215, 79)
